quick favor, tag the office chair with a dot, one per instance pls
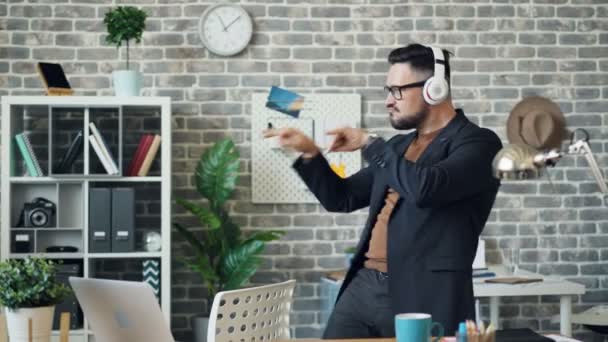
(251, 314)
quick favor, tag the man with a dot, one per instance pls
(429, 194)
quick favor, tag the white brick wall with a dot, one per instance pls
(504, 50)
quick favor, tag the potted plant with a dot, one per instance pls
(224, 256)
(125, 23)
(29, 290)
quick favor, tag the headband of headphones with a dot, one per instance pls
(439, 62)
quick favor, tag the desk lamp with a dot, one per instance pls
(536, 125)
(536, 129)
(517, 162)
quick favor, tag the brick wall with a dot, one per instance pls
(504, 50)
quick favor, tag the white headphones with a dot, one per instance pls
(436, 88)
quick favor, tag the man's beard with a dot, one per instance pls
(410, 121)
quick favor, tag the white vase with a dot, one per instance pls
(42, 324)
(127, 82)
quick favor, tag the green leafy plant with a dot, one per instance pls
(224, 257)
(125, 23)
(30, 283)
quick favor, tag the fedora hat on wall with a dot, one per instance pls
(537, 122)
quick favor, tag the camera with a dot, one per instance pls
(40, 213)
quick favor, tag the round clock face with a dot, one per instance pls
(225, 29)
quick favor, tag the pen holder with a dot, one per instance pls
(470, 337)
(476, 337)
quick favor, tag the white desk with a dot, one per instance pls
(549, 286)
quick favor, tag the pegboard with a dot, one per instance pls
(273, 178)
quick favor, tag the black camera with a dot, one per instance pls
(40, 213)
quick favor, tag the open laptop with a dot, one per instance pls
(121, 311)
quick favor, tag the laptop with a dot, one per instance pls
(121, 311)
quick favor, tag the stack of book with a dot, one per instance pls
(100, 147)
(32, 166)
(144, 155)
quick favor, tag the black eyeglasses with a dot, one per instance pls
(396, 90)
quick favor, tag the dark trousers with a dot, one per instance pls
(363, 309)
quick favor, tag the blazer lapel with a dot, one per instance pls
(401, 145)
(457, 122)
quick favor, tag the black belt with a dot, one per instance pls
(383, 274)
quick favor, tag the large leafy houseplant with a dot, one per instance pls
(30, 283)
(125, 23)
(224, 256)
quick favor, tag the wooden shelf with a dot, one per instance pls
(88, 101)
(47, 255)
(133, 255)
(73, 332)
(81, 178)
(60, 229)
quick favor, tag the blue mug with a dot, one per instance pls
(416, 327)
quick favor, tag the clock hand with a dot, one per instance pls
(232, 22)
(221, 21)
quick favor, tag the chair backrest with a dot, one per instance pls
(252, 314)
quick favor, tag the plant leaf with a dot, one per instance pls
(232, 232)
(205, 216)
(198, 246)
(30, 282)
(217, 172)
(265, 235)
(124, 23)
(240, 264)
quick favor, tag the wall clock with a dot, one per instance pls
(225, 29)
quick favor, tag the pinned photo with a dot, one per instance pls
(285, 101)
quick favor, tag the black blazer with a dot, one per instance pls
(445, 200)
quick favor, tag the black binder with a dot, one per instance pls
(123, 220)
(100, 220)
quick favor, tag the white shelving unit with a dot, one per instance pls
(69, 192)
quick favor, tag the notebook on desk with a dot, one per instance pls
(520, 335)
(513, 280)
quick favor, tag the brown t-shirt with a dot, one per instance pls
(376, 254)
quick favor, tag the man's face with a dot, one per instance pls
(411, 109)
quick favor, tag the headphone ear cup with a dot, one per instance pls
(435, 90)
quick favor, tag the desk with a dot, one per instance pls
(337, 340)
(549, 286)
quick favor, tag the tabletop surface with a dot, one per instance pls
(549, 285)
(344, 340)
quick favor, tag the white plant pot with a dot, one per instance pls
(127, 82)
(42, 324)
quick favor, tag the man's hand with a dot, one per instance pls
(293, 139)
(347, 139)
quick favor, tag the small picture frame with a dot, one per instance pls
(54, 79)
(285, 101)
